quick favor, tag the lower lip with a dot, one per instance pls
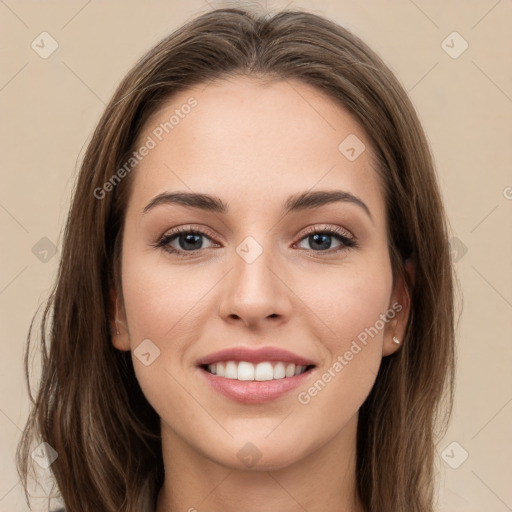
(255, 391)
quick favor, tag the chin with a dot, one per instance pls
(257, 453)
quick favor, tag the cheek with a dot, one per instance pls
(351, 332)
(350, 326)
(160, 299)
(348, 301)
(163, 304)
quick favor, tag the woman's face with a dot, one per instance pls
(250, 160)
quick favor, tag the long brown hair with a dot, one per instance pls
(89, 406)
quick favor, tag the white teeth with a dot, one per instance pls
(290, 370)
(266, 370)
(279, 371)
(231, 370)
(245, 371)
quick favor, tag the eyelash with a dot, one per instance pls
(347, 242)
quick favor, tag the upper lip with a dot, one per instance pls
(254, 356)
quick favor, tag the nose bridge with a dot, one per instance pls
(252, 265)
(254, 290)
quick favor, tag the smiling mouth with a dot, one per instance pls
(263, 371)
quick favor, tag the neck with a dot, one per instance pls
(322, 481)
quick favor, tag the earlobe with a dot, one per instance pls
(398, 313)
(121, 341)
(120, 338)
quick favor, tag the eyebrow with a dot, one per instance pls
(297, 202)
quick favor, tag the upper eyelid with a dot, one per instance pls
(338, 230)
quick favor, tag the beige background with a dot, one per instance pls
(49, 108)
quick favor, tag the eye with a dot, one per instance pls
(183, 240)
(319, 238)
(188, 241)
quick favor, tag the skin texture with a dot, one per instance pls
(253, 144)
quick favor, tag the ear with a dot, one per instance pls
(118, 322)
(398, 312)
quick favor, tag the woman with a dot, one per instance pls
(254, 307)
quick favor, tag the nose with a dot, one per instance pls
(255, 293)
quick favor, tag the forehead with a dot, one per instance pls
(254, 142)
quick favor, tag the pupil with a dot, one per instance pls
(192, 239)
(322, 238)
